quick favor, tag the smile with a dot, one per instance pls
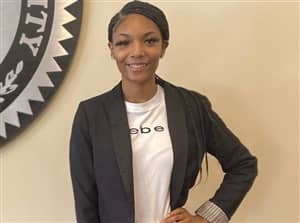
(137, 66)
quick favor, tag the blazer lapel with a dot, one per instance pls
(179, 139)
(121, 139)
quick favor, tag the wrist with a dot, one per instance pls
(199, 219)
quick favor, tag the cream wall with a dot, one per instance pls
(242, 54)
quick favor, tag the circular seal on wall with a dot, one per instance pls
(37, 41)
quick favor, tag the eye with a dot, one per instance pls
(122, 43)
(151, 41)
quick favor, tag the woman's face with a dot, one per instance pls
(137, 46)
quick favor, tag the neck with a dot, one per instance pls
(139, 93)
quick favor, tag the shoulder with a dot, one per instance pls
(99, 100)
(188, 95)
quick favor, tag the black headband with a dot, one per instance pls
(145, 9)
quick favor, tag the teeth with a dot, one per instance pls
(137, 65)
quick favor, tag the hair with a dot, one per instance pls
(143, 8)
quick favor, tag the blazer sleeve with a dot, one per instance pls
(239, 166)
(82, 172)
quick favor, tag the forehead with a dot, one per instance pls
(136, 23)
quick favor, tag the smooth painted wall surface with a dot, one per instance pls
(244, 55)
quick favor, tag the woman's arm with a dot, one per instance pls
(239, 166)
(82, 172)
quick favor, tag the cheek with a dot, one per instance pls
(120, 56)
(153, 54)
(156, 53)
(155, 59)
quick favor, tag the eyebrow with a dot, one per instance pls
(146, 34)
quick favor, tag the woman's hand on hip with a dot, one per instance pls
(181, 215)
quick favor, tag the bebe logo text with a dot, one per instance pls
(145, 130)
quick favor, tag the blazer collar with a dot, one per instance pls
(122, 143)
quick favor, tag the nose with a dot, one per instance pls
(138, 50)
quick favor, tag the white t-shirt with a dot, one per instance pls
(152, 158)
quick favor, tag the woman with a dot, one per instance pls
(136, 150)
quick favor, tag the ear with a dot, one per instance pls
(110, 46)
(165, 44)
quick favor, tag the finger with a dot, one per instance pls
(174, 218)
(176, 211)
(179, 211)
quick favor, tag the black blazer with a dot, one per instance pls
(101, 158)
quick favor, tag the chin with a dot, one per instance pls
(139, 78)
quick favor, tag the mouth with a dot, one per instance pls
(137, 67)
